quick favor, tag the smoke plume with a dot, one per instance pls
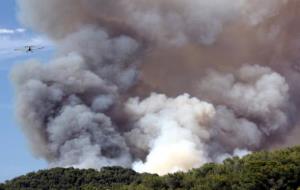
(159, 86)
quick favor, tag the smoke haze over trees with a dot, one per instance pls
(262, 170)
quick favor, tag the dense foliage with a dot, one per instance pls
(262, 170)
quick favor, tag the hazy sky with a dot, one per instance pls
(15, 158)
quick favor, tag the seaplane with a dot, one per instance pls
(30, 48)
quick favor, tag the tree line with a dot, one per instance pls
(277, 170)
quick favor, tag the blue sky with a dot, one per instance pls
(15, 158)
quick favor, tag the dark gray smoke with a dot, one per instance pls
(222, 78)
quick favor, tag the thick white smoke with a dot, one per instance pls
(170, 128)
(89, 107)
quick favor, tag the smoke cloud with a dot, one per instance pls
(159, 86)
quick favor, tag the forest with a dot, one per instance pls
(276, 170)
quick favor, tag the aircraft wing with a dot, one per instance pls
(21, 49)
(37, 47)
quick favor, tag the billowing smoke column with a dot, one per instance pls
(160, 86)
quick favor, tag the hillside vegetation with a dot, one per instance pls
(258, 171)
